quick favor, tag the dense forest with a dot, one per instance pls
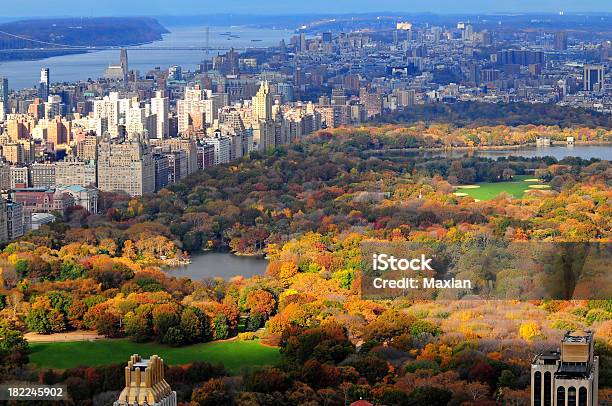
(472, 114)
(309, 207)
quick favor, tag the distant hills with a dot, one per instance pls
(97, 31)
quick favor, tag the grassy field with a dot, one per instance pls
(488, 190)
(234, 355)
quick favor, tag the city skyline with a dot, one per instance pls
(189, 203)
(266, 7)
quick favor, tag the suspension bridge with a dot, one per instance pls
(17, 43)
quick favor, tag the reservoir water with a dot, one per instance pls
(71, 68)
(559, 152)
(218, 264)
(226, 265)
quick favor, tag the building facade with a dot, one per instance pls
(84, 197)
(72, 171)
(15, 222)
(126, 166)
(145, 384)
(568, 377)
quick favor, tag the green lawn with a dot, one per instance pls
(489, 190)
(234, 355)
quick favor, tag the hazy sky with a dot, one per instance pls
(158, 7)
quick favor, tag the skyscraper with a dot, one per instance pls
(160, 107)
(43, 85)
(191, 110)
(567, 377)
(262, 103)
(123, 61)
(145, 384)
(4, 107)
(593, 78)
(561, 41)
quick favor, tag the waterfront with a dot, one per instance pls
(219, 264)
(558, 152)
(69, 68)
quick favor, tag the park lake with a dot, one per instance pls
(219, 265)
(559, 152)
(226, 265)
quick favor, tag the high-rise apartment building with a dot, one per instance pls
(593, 77)
(59, 131)
(139, 120)
(560, 41)
(264, 135)
(87, 148)
(42, 175)
(160, 107)
(186, 145)
(20, 177)
(161, 171)
(145, 384)
(5, 176)
(73, 171)
(126, 165)
(3, 222)
(54, 106)
(4, 98)
(36, 109)
(222, 146)
(206, 156)
(17, 153)
(568, 377)
(177, 165)
(44, 83)
(262, 103)
(18, 127)
(108, 108)
(15, 221)
(191, 110)
(123, 61)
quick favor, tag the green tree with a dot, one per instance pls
(194, 324)
(137, 326)
(37, 321)
(429, 396)
(13, 347)
(221, 327)
(254, 322)
(174, 337)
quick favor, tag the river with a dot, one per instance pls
(218, 264)
(71, 68)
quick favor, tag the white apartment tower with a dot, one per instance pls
(108, 108)
(160, 107)
(222, 147)
(191, 110)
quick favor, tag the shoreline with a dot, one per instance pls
(79, 52)
(489, 147)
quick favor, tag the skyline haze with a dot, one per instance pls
(31, 8)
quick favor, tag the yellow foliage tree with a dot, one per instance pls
(529, 330)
